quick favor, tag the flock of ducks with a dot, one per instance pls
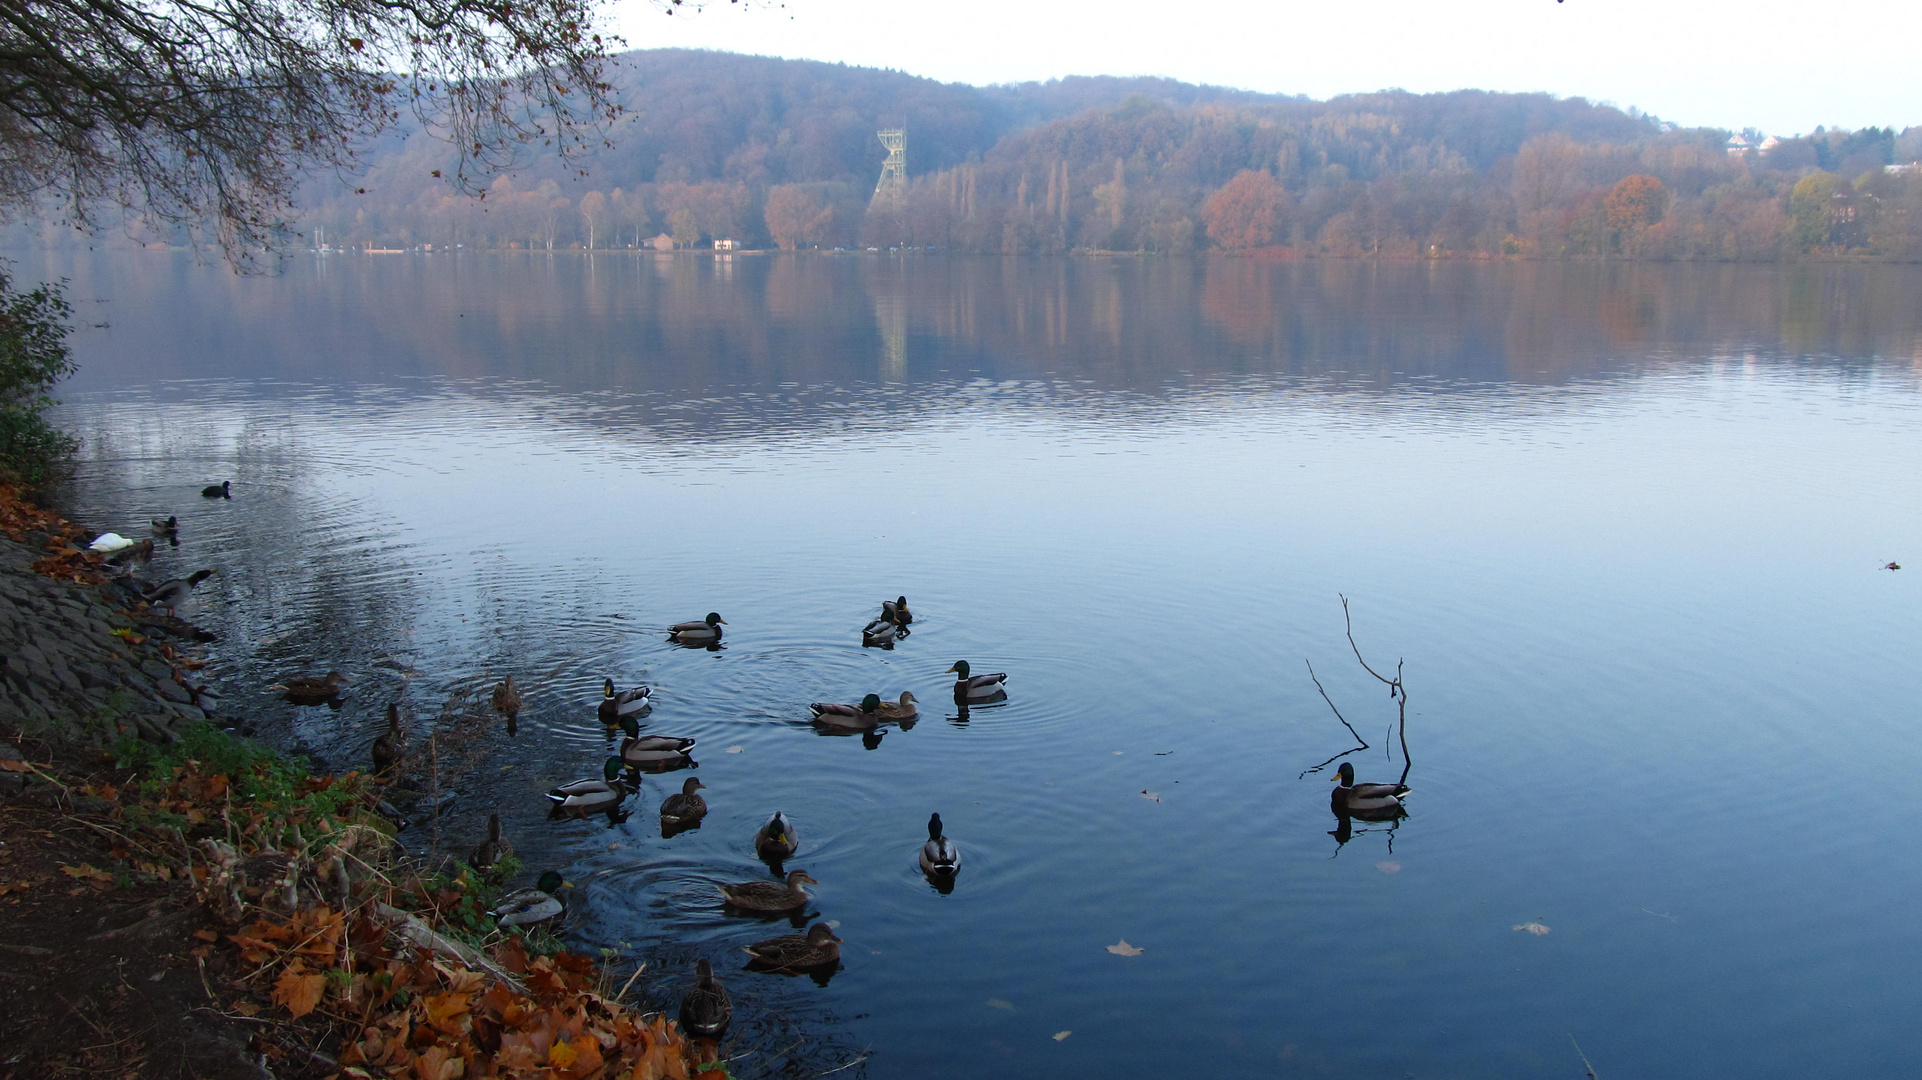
(706, 1009)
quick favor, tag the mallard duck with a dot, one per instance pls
(939, 856)
(897, 611)
(685, 808)
(311, 690)
(584, 797)
(391, 745)
(698, 632)
(882, 631)
(615, 705)
(769, 895)
(860, 717)
(777, 839)
(166, 528)
(493, 849)
(174, 592)
(971, 687)
(705, 1008)
(638, 749)
(140, 552)
(222, 490)
(897, 710)
(1352, 798)
(531, 907)
(507, 700)
(796, 952)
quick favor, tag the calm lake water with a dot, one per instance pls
(1623, 524)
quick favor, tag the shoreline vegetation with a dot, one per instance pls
(716, 147)
(181, 902)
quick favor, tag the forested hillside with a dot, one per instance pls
(774, 152)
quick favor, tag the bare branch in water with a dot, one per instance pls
(1584, 1057)
(1363, 743)
(1396, 690)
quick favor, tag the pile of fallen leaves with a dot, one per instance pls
(408, 1012)
(65, 559)
(375, 967)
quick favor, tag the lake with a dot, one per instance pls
(1623, 525)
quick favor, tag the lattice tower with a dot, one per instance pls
(894, 171)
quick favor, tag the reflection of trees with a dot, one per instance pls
(785, 338)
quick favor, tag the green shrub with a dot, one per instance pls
(33, 357)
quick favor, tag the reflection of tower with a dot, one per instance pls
(891, 319)
(894, 171)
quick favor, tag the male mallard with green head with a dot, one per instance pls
(584, 797)
(777, 839)
(971, 687)
(860, 717)
(531, 907)
(939, 856)
(796, 952)
(617, 706)
(1352, 798)
(697, 632)
(652, 750)
(897, 611)
(769, 895)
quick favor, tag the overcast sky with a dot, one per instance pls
(1782, 67)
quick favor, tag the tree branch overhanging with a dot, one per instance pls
(202, 113)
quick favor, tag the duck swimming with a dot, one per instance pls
(777, 839)
(1350, 798)
(222, 490)
(617, 705)
(532, 907)
(392, 745)
(897, 611)
(507, 700)
(583, 797)
(705, 1008)
(679, 811)
(645, 750)
(311, 690)
(971, 687)
(174, 592)
(860, 717)
(796, 952)
(699, 632)
(768, 895)
(881, 632)
(493, 849)
(939, 856)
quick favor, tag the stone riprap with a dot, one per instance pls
(65, 673)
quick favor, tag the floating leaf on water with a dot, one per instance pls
(997, 1003)
(736, 748)
(1125, 949)
(1060, 1035)
(1118, 753)
(1534, 928)
(1388, 866)
(1149, 795)
(834, 924)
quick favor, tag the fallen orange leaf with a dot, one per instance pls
(299, 991)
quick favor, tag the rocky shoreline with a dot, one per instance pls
(74, 665)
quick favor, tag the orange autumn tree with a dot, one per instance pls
(1636, 201)
(1246, 212)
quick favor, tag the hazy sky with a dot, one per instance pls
(1783, 67)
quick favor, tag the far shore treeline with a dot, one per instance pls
(774, 153)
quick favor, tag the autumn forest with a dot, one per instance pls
(773, 153)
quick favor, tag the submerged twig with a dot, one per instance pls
(1396, 690)
(1584, 1057)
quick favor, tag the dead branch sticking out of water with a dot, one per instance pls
(1396, 690)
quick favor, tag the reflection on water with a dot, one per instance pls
(1621, 522)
